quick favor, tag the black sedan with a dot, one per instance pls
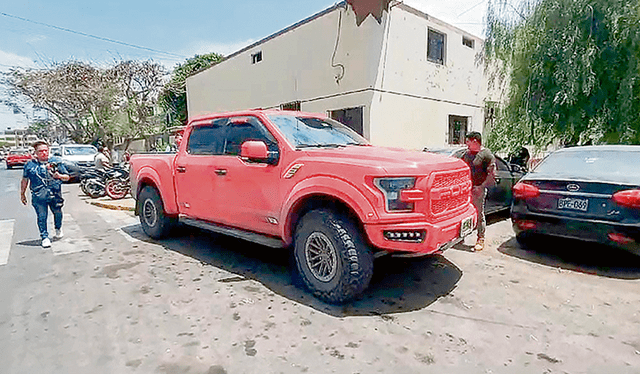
(590, 193)
(499, 195)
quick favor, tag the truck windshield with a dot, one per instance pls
(304, 132)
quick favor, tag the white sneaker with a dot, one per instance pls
(46, 243)
(59, 234)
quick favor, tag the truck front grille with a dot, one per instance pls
(448, 179)
(449, 191)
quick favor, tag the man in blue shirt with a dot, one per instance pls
(45, 177)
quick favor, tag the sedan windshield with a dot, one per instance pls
(304, 132)
(592, 164)
(77, 151)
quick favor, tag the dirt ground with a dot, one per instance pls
(202, 303)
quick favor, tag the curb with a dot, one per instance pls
(110, 206)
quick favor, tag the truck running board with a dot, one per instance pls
(236, 233)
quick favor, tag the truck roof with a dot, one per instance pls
(248, 112)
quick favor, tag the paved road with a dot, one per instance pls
(106, 299)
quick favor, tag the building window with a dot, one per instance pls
(468, 42)
(436, 46)
(294, 105)
(457, 129)
(352, 117)
(256, 57)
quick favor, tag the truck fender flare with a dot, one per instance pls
(149, 176)
(331, 186)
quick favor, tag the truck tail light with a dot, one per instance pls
(628, 198)
(524, 190)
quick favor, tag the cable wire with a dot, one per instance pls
(92, 36)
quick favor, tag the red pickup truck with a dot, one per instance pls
(309, 184)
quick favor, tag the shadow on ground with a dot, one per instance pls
(31, 243)
(575, 255)
(491, 219)
(398, 285)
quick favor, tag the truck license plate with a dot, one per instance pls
(466, 226)
(573, 204)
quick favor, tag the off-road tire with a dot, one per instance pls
(153, 219)
(348, 261)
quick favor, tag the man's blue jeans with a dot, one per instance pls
(42, 211)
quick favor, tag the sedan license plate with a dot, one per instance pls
(571, 203)
(466, 226)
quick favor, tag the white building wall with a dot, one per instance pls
(329, 63)
(415, 97)
(308, 63)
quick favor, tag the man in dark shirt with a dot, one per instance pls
(482, 164)
(45, 178)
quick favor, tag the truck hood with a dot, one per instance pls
(384, 160)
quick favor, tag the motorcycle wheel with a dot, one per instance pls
(83, 187)
(116, 189)
(95, 190)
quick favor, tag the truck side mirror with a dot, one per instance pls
(254, 150)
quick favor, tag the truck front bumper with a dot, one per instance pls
(421, 238)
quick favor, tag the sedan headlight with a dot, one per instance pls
(391, 187)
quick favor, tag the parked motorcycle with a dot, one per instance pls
(94, 182)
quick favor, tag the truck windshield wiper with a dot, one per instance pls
(324, 145)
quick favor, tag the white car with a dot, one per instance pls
(81, 154)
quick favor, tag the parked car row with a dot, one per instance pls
(74, 157)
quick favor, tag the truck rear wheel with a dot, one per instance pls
(331, 257)
(153, 219)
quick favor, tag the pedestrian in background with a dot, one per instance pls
(103, 158)
(45, 177)
(482, 164)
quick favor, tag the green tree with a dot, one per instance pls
(139, 86)
(91, 102)
(572, 68)
(174, 94)
(77, 94)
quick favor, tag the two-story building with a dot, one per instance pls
(404, 80)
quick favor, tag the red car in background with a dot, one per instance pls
(18, 157)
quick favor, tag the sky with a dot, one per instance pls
(41, 33)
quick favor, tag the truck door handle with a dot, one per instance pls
(221, 172)
(181, 169)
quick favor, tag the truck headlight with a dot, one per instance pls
(390, 188)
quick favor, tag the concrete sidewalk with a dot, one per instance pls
(128, 203)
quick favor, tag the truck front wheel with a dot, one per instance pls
(153, 219)
(331, 257)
